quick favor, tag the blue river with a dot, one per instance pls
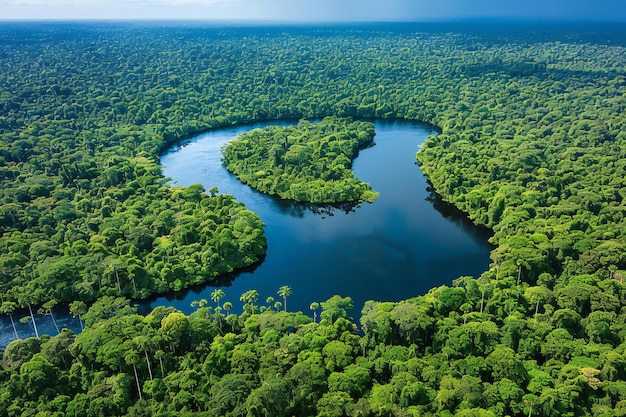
(398, 247)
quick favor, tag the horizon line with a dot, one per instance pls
(296, 22)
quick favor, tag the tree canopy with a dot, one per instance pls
(308, 163)
(531, 145)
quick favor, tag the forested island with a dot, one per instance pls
(532, 145)
(308, 163)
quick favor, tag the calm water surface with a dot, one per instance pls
(398, 247)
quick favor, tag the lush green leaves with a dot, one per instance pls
(308, 163)
(531, 145)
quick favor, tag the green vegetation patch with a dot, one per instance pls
(310, 162)
(532, 145)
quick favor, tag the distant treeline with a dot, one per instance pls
(532, 145)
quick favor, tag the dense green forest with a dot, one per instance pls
(428, 356)
(309, 163)
(532, 145)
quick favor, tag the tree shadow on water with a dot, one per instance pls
(297, 209)
(458, 217)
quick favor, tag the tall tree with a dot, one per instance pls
(132, 358)
(314, 306)
(159, 354)
(77, 309)
(228, 306)
(250, 297)
(48, 310)
(144, 343)
(284, 291)
(217, 295)
(28, 300)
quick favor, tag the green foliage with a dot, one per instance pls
(283, 364)
(308, 163)
(531, 145)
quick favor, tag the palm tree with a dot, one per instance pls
(284, 292)
(465, 308)
(29, 299)
(482, 298)
(77, 309)
(530, 400)
(249, 297)
(218, 316)
(113, 266)
(227, 306)
(314, 306)
(537, 295)
(217, 295)
(132, 358)
(199, 304)
(47, 310)
(131, 276)
(159, 355)
(145, 344)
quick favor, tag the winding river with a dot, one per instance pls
(400, 246)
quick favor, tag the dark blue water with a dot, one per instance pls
(398, 247)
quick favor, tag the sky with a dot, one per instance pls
(314, 10)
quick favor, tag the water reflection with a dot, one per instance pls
(403, 244)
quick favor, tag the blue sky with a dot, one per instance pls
(314, 10)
